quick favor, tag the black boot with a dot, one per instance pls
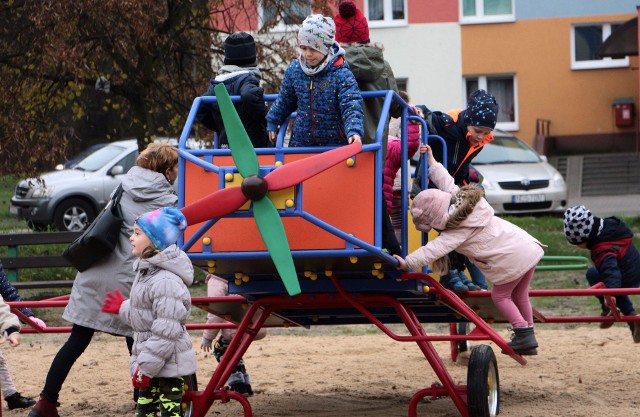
(44, 408)
(523, 341)
(17, 400)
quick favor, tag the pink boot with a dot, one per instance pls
(44, 408)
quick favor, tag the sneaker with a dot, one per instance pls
(466, 281)
(606, 313)
(455, 283)
(17, 400)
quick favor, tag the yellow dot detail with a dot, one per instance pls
(211, 270)
(351, 162)
(228, 177)
(377, 265)
(238, 281)
(289, 203)
(211, 263)
(238, 275)
(245, 278)
(206, 241)
(328, 272)
(353, 259)
(278, 163)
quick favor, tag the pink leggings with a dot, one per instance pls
(512, 299)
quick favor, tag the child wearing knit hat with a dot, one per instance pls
(241, 77)
(322, 89)
(157, 310)
(616, 260)
(505, 253)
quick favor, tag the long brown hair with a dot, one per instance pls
(464, 201)
(158, 157)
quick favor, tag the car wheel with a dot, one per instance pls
(73, 215)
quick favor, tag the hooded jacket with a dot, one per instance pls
(157, 310)
(329, 105)
(243, 82)
(373, 73)
(143, 190)
(501, 250)
(393, 160)
(615, 256)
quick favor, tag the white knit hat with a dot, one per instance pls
(579, 223)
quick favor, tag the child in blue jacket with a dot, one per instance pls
(616, 259)
(320, 86)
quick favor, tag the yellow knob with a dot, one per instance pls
(351, 162)
(314, 277)
(238, 275)
(228, 177)
(211, 263)
(245, 278)
(211, 270)
(353, 259)
(307, 274)
(377, 265)
(206, 241)
(238, 281)
(328, 272)
(289, 203)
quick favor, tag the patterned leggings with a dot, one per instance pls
(163, 393)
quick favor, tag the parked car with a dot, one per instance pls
(69, 199)
(517, 179)
(69, 163)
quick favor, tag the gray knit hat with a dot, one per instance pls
(318, 32)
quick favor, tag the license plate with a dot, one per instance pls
(528, 198)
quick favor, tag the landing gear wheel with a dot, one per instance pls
(190, 384)
(483, 383)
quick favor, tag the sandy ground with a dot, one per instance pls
(582, 371)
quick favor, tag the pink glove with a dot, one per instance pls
(112, 302)
(139, 380)
(40, 323)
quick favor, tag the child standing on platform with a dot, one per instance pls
(504, 252)
(322, 89)
(157, 310)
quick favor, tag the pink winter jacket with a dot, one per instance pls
(393, 161)
(501, 250)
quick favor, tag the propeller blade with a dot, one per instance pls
(295, 172)
(241, 147)
(274, 237)
(218, 204)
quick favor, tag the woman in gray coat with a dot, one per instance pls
(147, 186)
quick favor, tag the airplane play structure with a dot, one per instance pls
(297, 233)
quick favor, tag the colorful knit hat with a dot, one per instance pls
(430, 209)
(580, 224)
(318, 32)
(482, 110)
(240, 50)
(163, 226)
(351, 25)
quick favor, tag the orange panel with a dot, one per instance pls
(341, 196)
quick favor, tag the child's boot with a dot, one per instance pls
(17, 400)
(466, 281)
(606, 312)
(236, 383)
(634, 326)
(523, 341)
(455, 284)
(44, 408)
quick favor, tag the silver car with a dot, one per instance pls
(517, 179)
(69, 199)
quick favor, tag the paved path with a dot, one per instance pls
(602, 206)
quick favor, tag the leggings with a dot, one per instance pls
(512, 299)
(75, 345)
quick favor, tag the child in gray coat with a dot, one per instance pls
(158, 310)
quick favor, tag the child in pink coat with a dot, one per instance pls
(504, 253)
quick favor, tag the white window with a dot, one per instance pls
(585, 41)
(385, 13)
(287, 15)
(503, 88)
(487, 11)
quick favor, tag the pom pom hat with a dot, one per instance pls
(240, 50)
(580, 225)
(163, 226)
(351, 25)
(317, 32)
(482, 110)
(430, 209)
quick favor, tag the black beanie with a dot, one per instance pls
(240, 50)
(482, 110)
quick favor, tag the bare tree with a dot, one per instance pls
(132, 65)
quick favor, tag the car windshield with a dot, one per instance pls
(506, 150)
(99, 158)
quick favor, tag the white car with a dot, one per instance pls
(517, 179)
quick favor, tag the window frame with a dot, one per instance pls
(482, 84)
(481, 18)
(602, 63)
(386, 22)
(281, 27)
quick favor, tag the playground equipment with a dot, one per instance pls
(297, 233)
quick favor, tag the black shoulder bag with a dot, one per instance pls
(100, 237)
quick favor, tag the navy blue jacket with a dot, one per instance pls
(615, 256)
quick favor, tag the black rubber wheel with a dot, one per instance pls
(73, 215)
(190, 384)
(483, 383)
(464, 345)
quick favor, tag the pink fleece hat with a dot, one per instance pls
(430, 209)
